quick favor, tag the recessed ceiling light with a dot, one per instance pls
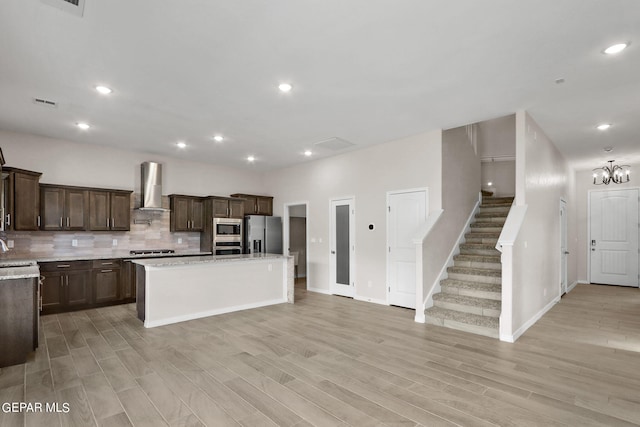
(104, 90)
(308, 153)
(181, 145)
(251, 159)
(608, 149)
(218, 138)
(603, 126)
(83, 126)
(559, 81)
(616, 48)
(285, 87)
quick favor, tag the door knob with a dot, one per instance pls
(566, 253)
(333, 252)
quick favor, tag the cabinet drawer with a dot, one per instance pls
(65, 265)
(107, 263)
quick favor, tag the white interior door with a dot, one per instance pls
(564, 252)
(613, 225)
(406, 212)
(342, 247)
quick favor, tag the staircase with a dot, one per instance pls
(470, 296)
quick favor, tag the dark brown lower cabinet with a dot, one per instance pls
(65, 286)
(128, 281)
(18, 320)
(106, 281)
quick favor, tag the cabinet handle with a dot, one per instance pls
(106, 271)
(107, 263)
(113, 222)
(8, 219)
(63, 265)
(61, 222)
(68, 222)
(107, 222)
(227, 211)
(38, 220)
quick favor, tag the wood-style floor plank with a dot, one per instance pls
(330, 361)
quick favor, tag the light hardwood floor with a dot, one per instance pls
(331, 361)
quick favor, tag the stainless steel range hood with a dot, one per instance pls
(152, 187)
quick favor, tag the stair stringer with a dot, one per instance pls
(435, 287)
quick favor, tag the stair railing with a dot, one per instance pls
(418, 242)
(505, 244)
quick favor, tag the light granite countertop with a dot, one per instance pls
(19, 270)
(8, 258)
(166, 262)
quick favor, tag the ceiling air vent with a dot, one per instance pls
(334, 144)
(45, 102)
(75, 7)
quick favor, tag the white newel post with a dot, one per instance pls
(420, 318)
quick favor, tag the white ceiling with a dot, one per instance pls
(367, 71)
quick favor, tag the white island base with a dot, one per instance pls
(171, 290)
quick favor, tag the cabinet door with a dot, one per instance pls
(106, 283)
(52, 292)
(127, 281)
(26, 208)
(52, 213)
(264, 205)
(78, 287)
(250, 205)
(120, 211)
(180, 218)
(236, 209)
(197, 215)
(99, 210)
(76, 209)
(220, 207)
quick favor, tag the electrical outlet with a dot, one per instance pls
(10, 243)
(179, 240)
(270, 268)
(544, 293)
(74, 242)
(115, 242)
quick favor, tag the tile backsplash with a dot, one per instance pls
(149, 230)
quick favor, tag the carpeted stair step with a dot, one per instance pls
(497, 200)
(487, 238)
(481, 325)
(491, 216)
(478, 261)
(494, 208)
(478, 249)
(479, 306)
(484, 275)
(484, 226)
(471, 289)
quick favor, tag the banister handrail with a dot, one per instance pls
(420, 236)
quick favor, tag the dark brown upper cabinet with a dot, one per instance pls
(225, 207)
(256, 205)
(109, 210)
(21, 199)
(63, 208)
(187, 213)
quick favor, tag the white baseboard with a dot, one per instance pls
(320, 291)
(529, 323)
(373, 300)
(191, 316)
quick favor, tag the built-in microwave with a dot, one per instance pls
(227, 236)
(227, 227)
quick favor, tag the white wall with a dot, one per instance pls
(496, 137)
(501, 175)
(367, 175)
(584, 184)
(69, 163)
(460, 189)
(543, 181)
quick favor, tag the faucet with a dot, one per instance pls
(3, 246)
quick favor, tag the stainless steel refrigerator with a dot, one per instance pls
(262, 234)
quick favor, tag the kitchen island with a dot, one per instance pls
(171, 290)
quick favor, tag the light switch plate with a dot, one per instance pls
(74, 242)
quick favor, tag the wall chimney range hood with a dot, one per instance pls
(152, 187)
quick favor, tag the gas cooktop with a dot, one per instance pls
(151, 251)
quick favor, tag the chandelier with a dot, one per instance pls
(611, 173)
